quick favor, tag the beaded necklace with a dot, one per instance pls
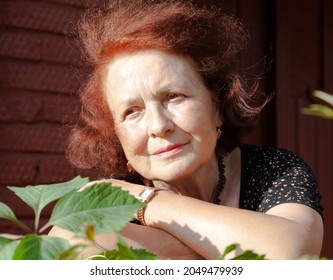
(221, 182)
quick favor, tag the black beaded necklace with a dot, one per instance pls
(221, 183)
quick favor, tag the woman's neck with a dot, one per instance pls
(231, 193)
(199, 185)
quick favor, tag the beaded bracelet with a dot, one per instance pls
(141, 216)
(145, 196)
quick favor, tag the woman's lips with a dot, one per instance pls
(169, 150)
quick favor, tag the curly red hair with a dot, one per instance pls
(205, 35)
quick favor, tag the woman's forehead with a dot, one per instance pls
(127, 62)
(157, 68)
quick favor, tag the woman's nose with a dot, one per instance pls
(158, 121)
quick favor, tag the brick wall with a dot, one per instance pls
(40, 71)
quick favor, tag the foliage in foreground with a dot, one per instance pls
(320, 110)
(99, 209)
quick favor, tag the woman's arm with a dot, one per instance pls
(154, 240)
(286, 231)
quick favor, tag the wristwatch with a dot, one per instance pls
(147, 194)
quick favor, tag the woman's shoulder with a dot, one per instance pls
(268, 165)
(271, 176)
(255, 150)
(270, 157)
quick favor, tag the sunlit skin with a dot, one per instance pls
(164, 117)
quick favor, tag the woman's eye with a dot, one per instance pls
(130, 112)
(172, 96)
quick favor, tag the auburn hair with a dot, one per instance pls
(205, 35)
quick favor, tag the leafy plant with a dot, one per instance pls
(99, 209)
(245, 255)
(324, 111)
(124, 253)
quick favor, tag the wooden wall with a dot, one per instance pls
(40, 71)
(304, 62)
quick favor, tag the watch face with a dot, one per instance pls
(145, 195)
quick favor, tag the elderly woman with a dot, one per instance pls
(163, 115)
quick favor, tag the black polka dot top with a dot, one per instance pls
(273, 176)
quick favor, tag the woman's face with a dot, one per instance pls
(163, 113)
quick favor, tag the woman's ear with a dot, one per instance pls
(218, 118)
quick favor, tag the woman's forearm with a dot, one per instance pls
(208, 228)
(154, 240)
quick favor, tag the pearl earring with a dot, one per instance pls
(218, 133)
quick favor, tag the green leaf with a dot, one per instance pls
(108, 208)
(40, 247)
(7, 248)
(37, 197)
(324, 96)
(318, 110)
(125, 253)
(72, 253)
(249, 255)
(229, 249)
(7, 213)
(89, 231)
(245, 255)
